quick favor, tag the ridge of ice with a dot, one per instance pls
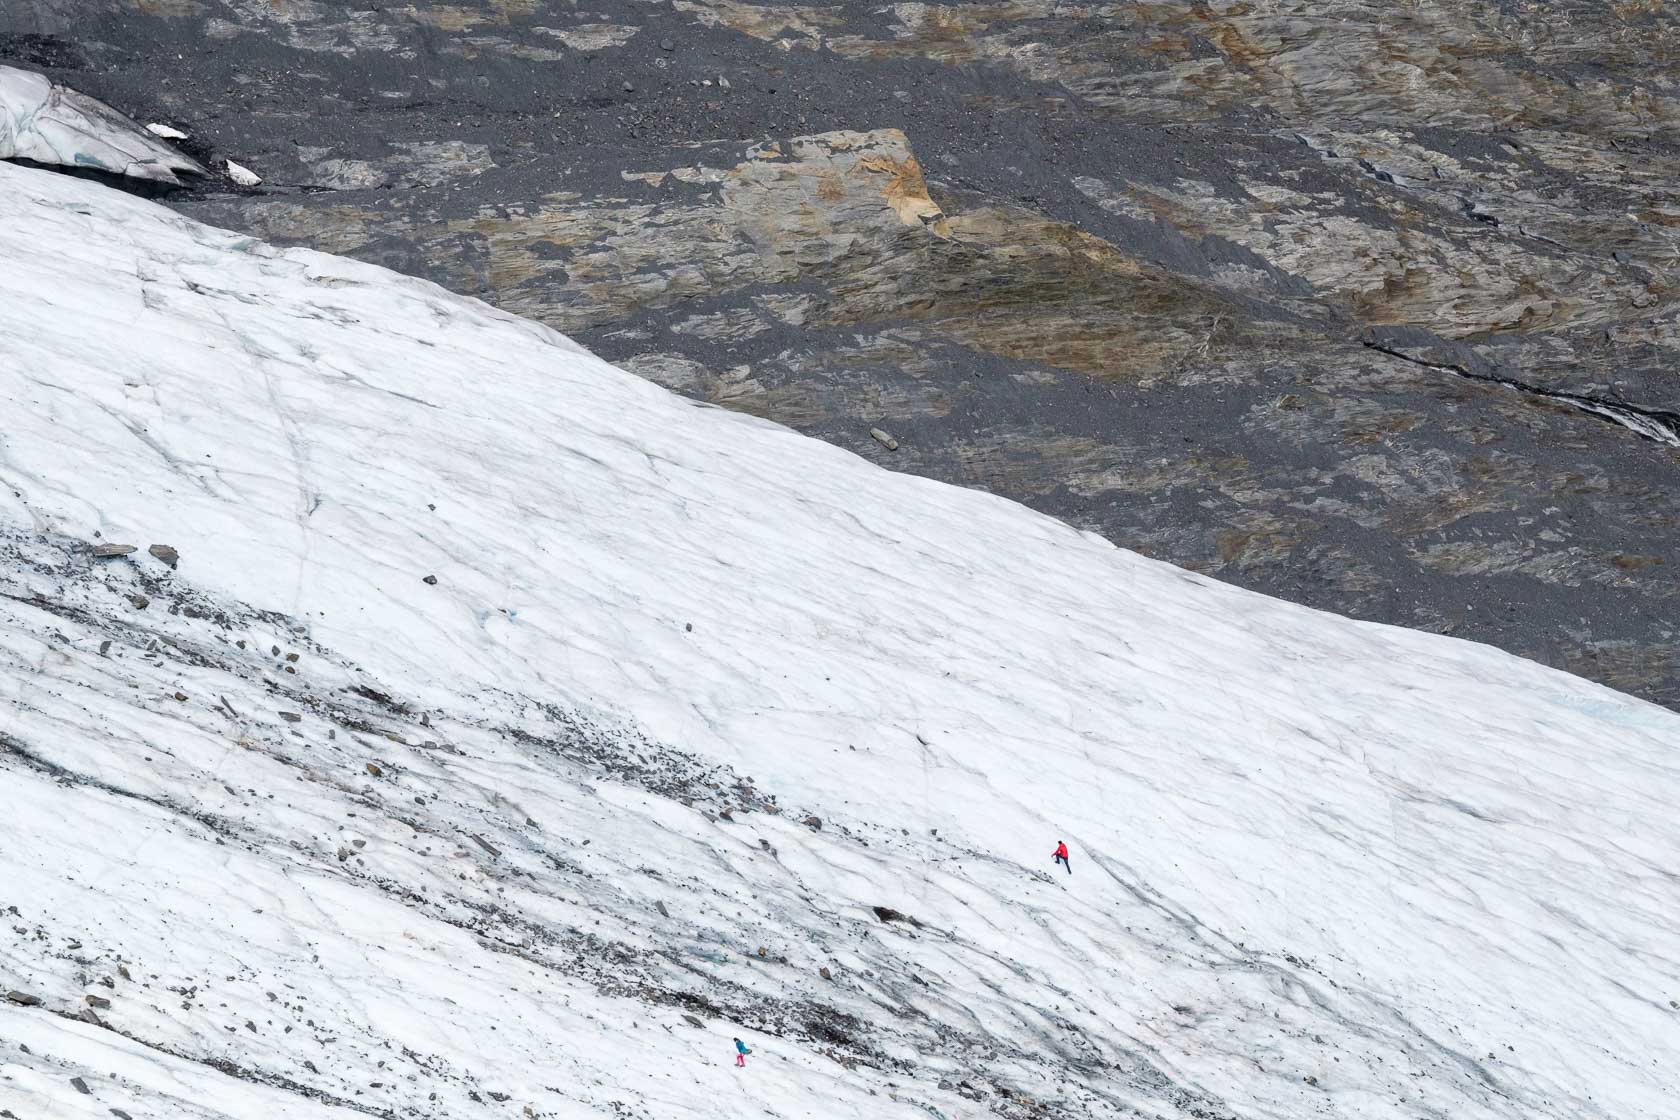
(53, 124)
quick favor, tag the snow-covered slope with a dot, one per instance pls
(291, 830)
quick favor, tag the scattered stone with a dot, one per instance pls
(884, 439)
(140, 602)
(180, 696)
(310, 1066)
(689, 626)
(763, 952)
(693, 1022)
(629, 88)
(660, 906)
(120, 1114)
(291, 657)
(485, 844)
(80, 1086)
(825, 973)
(667, 44)
(430, 581)
(358, 844)
(98, 1001)
(373, 768)
(813, 823)
(290, 717)
(888, 914)
(166, 554)
(23, 999)
(105, 648)
(111, 551)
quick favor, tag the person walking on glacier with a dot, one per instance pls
(1062, 856)
(741, 1052)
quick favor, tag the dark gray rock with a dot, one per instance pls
(23, 999)
(165, 553)
(111, 551)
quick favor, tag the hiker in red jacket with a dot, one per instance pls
(1062, 856)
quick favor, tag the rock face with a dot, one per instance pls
(1370, 306)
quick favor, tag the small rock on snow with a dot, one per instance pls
(291, 717)
(98, 1001)
(23, 999)
(430, 580)
(80, 1085)
(373, 768)
(109, 551)
(165, 553)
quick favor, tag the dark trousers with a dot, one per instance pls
(1063, 860)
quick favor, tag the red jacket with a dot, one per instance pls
(1061, 851)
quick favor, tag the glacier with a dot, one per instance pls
(53, 124)
(493, 733)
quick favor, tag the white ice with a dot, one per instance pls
(54, 124)
(481, 867)
(242, 175)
